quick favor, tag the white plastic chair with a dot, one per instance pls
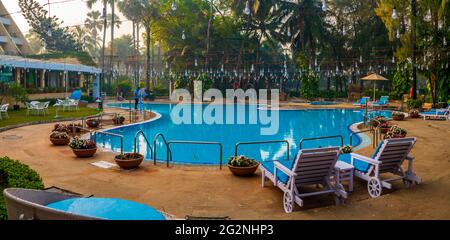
(4, 110)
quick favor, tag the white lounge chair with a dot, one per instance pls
(4, 110)
(42, 108)
(311, 167)
(387, 158)
(73, 104)
(30, 108)
(443, 114)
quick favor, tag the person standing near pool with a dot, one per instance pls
(136, 98)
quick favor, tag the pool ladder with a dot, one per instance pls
(168, 151)
(141, 133)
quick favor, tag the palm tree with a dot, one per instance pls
(304, 20)
(90, 4)
(132, 10)
(93, 23)
(149, 14)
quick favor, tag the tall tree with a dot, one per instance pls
(56, 38)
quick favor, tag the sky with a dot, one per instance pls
(71, 12)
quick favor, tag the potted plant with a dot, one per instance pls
(377, 120)
(19, 94)
(242, 165)
(414, 113)
(83, 148)
(129, 160)
(395, 132)
(119, 120)
(384, 127)
(93, 123)
(346, 153)
(61, 128)
(59, 138)
(398, 116)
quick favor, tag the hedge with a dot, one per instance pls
(14, 174)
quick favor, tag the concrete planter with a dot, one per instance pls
(59, 141)
(130, 161)
(84, 153)
(243, 171)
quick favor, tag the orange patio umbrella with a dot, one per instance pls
(374, 77)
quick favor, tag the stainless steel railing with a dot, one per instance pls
(199, 143)
(168, 151)
(141, 133)
(318, 138)
(262, 142)
(110, 134)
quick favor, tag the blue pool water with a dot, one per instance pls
(294, 126)
(323, 103)
(108, 208)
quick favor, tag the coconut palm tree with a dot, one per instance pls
(132, 10)
(149, 14)
(90, 4)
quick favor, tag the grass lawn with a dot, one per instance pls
(19, 117)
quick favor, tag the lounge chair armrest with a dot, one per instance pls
(364, 159)
(409, 158)
(284, 169)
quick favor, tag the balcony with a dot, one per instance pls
(3, 39)
(5, 21)
(17, 41)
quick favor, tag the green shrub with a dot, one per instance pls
(14, 174)
(415, 104)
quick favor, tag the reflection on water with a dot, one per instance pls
(294, 125)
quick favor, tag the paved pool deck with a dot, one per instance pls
(210, 192)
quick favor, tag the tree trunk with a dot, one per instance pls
(147, 77)
(112, 43)
(135, 61)
(105, 22)
(138, 54)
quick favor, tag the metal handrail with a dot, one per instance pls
(199, 143)
(110, 134)
(317, 138)
(374, 131)
(140, 132)
(168, 151)
(105, 114)
(262, 142)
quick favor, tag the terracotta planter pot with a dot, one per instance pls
(243, 171)
(384, 130)
(92, 123)
(60, 142)
(118, 121)
(129, 163)
(398, 117)
(84, 153)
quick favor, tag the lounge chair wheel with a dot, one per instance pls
(288, 202)
(374, 187)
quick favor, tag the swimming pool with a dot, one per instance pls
(294, 126)
(323, 103)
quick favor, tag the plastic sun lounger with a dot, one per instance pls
(311, 167)
(387, 158)
(383, 102)
(4, 110)
(362, 101)
(437, 114)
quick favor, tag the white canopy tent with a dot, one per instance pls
(29, 63)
